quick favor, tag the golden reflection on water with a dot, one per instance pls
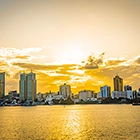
(76, 122)
(73, 123)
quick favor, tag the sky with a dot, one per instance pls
(83, 43)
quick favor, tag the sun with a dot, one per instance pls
(73, 51)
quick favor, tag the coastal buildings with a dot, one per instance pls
(127, 87)
(65, 90)
(85, 95)
(119, 94)
(27, 90)
(41, 96)
(128, 90)
(134, 93)
(118, 88)
(28, 86)
(105, 91)
(138, 93)
(31, 86)
(99, 95)
(127, 93)
(118, 83)
(23, 86)
(2, 85)
(13, 94)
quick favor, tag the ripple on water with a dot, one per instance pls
(80, 122)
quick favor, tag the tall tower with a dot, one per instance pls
(105, 91)
(65, 90)
(2, 84)
(31, 86)
(118, 83)
(27, 86)
(23, 86)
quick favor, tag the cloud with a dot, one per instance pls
(82, 76)
(5, 51)
(8, 56)
(2, 63)
(93, 62)
(78, 79)
(138, 60)
(51, 76)
(35, 66)
(22, 56)
(114, 62)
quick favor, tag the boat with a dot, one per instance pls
(50, 103)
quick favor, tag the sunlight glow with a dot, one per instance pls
(74, 52)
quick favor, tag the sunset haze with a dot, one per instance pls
(83, 43)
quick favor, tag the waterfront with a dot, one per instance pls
(80, 122)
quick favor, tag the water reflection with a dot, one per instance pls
(72, 123)
(80, 122)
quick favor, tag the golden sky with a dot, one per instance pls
(83, 43)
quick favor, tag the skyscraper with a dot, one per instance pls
(65, 90)
(28, 86)
(118, 83)
(2, 84)
(23, 86)
(31, 86)
(105, 91)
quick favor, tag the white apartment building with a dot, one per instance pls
(119, 94)
(65, 90)
(85, 95)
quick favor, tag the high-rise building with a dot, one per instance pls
(105, 91)
(28, 86)
(31, 86)
(118, 83)
(2, 84)
(65, 90)
(23, 86)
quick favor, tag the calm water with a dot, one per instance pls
(76, 122)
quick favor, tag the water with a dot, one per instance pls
(74, 122)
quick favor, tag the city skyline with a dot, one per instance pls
(28, 87)
(83, 44)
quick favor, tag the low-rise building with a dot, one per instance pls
(99, 95)
(41, 96)
(119, 94)
(128, 90)
(85, 95)
(13, 94)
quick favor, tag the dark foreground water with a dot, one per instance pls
(74, 122)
